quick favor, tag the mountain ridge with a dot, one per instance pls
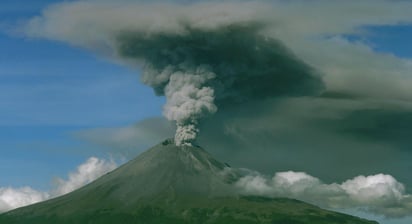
(170, 184)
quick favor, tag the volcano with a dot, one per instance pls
(171, 184)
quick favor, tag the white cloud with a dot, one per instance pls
(380, 194)
(372, 189)
(93, 168)
(11, 198)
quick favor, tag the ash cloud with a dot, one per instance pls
(199, 62)
(200, 71)
(240, 52)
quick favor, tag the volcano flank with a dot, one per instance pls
(171, 184)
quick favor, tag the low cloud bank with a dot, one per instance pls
(11, 198)
(380, 194)
(93, 168)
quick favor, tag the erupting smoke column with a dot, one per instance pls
(188, 97)
(187, 101)
(204, 57)
(199, 71)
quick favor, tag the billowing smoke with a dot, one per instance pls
(188, 99)
(199, 71)
(201, 57)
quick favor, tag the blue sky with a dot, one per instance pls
(387, 39)
(49, 90)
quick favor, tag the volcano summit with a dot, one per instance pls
(171, 184)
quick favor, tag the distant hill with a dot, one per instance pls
(168, 184)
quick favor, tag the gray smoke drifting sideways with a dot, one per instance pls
(201, 70)
(202, 56)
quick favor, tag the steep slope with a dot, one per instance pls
(170, 184)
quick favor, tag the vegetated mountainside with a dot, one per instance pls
(171, 184)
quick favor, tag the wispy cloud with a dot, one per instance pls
(93, 168)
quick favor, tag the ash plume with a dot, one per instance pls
(200, 56)
(200, 71)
